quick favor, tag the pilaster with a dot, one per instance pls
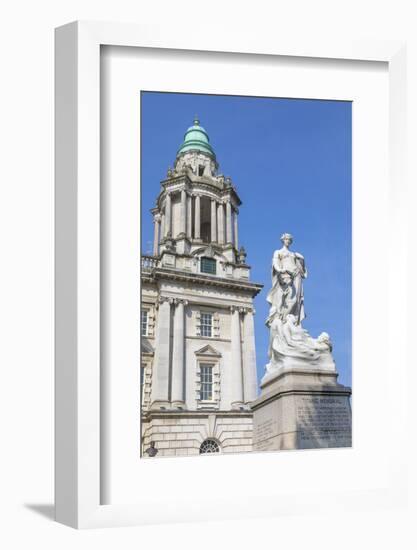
(189, 217)
(229, 237)
(220, 223)
(236, 390)
(160, 377)
(236, 241)
(183, 221)
(167, 215)
(249, 357)
(178, 355)
(156, 235)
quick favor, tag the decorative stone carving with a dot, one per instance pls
(151, 321)
(289, 344)
(163, 299)
(169, 242)
(241, 258)
(177, 301)
(288, 271)
(209, 252)
(208, 351)
(198, 323)
(216, 325)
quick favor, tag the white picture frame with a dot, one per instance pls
(78, 265)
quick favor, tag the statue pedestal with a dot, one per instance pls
(301, 409)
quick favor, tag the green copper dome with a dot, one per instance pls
(196, 138)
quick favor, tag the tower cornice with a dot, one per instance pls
(176, 275)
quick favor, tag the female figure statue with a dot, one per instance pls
(289, 344)
(286, 295)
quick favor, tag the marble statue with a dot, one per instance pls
(289, 344)
(288, 271)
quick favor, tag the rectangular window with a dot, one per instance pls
(144, 322)
(208, 265)
(206, 376)
(206, 324)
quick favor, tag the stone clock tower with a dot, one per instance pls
(198, 368)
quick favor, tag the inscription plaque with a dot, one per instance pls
(263, 434)
(323, 421)
(303, 420)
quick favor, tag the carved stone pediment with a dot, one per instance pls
(209, 251)
(208, 351)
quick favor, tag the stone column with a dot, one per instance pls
(236, 383)
(183, 221)
(162, 232)
(189, 217)
(178, 355)
(160, 375)
(229, 238)
(197, 218)
(213, 221)
(156, 221)
(249, 358)
(220, 227)
(168, 215)
(236, 231)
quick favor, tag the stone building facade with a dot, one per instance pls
(198, 367)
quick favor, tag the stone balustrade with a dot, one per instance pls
(149, 262)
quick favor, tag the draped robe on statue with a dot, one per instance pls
(286, 295)
(289, 344)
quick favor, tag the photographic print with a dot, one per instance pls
(246, 300)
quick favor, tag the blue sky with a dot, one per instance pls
(290, 161)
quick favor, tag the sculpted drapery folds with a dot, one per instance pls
(289, 343)
(286, 295)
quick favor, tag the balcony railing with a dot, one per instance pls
(149, 262)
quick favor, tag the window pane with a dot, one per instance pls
(208, 265)
(209, 446)
(206, 322)
(206, 379)
(144, 322)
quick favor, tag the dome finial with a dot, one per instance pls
(196, 139)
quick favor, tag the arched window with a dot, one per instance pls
(209, 446)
